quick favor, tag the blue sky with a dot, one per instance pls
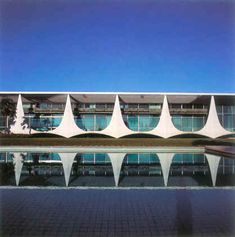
(75, 45)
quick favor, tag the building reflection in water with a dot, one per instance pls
(116, 169)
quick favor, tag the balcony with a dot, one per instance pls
(95, 110)
(189, 111)
(141, 110)
(48, 110)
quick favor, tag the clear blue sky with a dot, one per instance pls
(79, 45)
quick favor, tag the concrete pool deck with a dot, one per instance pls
(101, 149)
(106, 212)
(222, 150)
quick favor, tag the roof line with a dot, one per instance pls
(112, 93)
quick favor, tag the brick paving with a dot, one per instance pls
(117, 212)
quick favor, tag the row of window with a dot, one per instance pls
(98, 122)
(55, 106)
(225, 109)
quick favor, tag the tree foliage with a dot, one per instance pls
(7, 107)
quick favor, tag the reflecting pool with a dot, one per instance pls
(115, 169)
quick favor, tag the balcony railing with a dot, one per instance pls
(54, 110)
(188, 111)
(95, 110)
(180, 111)
(141, 110)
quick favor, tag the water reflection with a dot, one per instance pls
(116, 169)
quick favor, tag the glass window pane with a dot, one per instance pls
(228, 122)
(198, 106)
(100, 158)
(227, 109)
(102, 121)
(219, 109)
(177, 121)
(133, 122)
(155, 106)
(87, 158)
(88, 122)
(132, 158)
(186, 123)
(175, 106)
(187, 106)
(198, 123)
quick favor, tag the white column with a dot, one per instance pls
(18, 127)
(165, 161)
(213, 162)
(165, 127)
(116, 161)
(213, 128)
(67, 127)
(18, 164)
(116, 127)
(67, 162)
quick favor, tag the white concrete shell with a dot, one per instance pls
(67, 162)
(19, 126)
(18, 164)
(165, 161)
(67, 127)
(116, 161)
(117, 128)
(213, 162)
(212, 128)
(165, 127)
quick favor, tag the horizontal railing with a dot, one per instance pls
(188, 111)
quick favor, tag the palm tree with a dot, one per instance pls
(7, 109)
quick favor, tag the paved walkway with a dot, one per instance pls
(96, 212)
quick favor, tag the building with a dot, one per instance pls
(121, 114)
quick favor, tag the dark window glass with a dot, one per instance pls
(176, 106)
(187, 106)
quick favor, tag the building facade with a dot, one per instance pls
(118, 115)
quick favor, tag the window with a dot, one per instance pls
(187, 106)
(198, 106)
(175, 106)
(144, 106)
(100, 106)
(133, 106)
(90, 106)
(155, 106)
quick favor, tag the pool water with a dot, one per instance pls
(115, 169)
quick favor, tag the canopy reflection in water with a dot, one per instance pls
(141, 169)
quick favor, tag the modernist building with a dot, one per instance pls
(117, 115)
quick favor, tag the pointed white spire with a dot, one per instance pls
(117, 127)
(19, 127)
(67, 127)
(165, 161)
(213, 162)
(212, 128)
(116, 161)
(67, 162)
(18, 164)
(165, 127)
